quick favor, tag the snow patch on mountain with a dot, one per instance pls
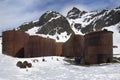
(91, 21)
(53, 18)
(58, 37)
(33, 30)
(78, 20)
(62, 37)
(83, 20)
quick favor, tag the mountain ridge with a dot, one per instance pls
(54, 25)
(91, 21)
(76, 21)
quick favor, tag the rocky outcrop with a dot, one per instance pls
(52, 23)
(75, 13)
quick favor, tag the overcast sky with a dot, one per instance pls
(15, 12)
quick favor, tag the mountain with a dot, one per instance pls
(51, 23)
(82, 21)
(54, 25)
(76, 21)
(75, 13)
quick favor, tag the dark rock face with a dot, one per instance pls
(50, 23)
(75, 13)
(77, 26)
(109, 19)
(47, 16)
(53, 22)
(26, 27)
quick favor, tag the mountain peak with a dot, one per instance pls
(53, 22)
(75, 13)
(74, 8)
(49, 15)
(79, 22)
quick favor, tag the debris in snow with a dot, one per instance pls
(25, 64)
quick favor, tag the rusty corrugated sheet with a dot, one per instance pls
(13, 43)
(38, 46)
(98, 47)
(74, 46)
(59, 48)
(78, 45)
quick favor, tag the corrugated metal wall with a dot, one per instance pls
(59, 48)
(13, 43)
(98, 47)
(78, 45)
(94, 47)
(38, 46)
(74, 46)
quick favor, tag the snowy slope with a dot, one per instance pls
(83, 20)
(51, 24)
(54, 25)
(97, 20)
(55, 70)
(62, 37)
(32, 31)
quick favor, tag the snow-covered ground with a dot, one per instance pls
(55, 70)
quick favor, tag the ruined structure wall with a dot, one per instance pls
(38, 46)
(98, 47)
(59, 48)
(74, 46)
(13, 43)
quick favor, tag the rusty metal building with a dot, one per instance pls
(38, 46)
(98, 47)
(13, 43)
(93, 48)
(74, 46)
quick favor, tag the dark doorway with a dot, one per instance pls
(100, 58)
